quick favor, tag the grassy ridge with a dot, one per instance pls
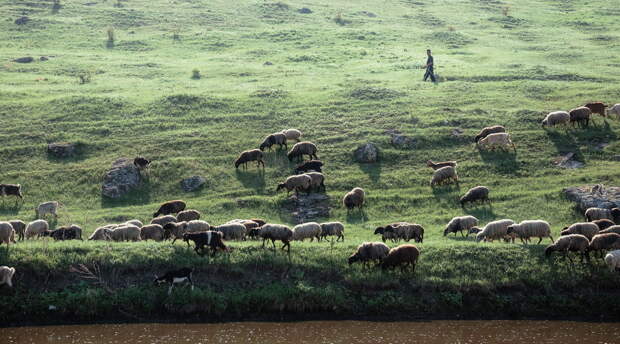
(343, 84)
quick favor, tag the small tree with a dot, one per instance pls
(196, 74)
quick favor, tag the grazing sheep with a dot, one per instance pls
(612, 259)
(6, 275)
(298, 183)
(317, 181)
(354, 198)
(309, 166)
(47, 208)
(101, 233)
(385, 236)
(260, 222)
(611, 229)
(308, 230)
(597, 107)
(603, 242)
(444, 175)
(274, 139)
(438, 165)
(250, 155)
(614, 110)
(11, 190)
(275, 232)
(332, 229)
(494, 230)
(173, 277)
(401, 230)
(36, 228)
(475, 194)
(303, 148)
(212, 239)
(581, 116)
(368, 252)
(592, 214)
(232, 231)
(556, 118)
(170, 207)
(72, 232)
(601, 224)
(292, 134)
(19, 227)
(163, 220)
(474, 230)
(125, 232)
(141, 163)
(586, 229)
(460, 224)
(7, 233)
(134, 222)
(153, 232)
(249, 226)
(497, 140)
(489, 130)
(570, 243)
(530, 228)
(402, 256)
(188, 215)
(177, 229)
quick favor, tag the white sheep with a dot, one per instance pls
(614, 110)
(275, 232)
(232, 231)
(612, 259)
(292, 134)
(47, 208)
(101, 232)
(125, 232)
(444, 175)
(308, 230)
(530, 228)
(494, 230)
(497, 140)
(6, 275)
(592, 214)
(134, 222)
(556, 118)
(36, 228)
(7, 233)
(460, 224)
(332, 229)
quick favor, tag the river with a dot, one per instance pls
(314, 332)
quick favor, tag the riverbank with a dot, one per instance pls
(66, 283)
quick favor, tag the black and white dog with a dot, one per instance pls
(175, 276)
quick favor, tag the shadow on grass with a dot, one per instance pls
(569, 139)
(484, 213)
(12, 208)
(277, 159)
(252, 179)
(372, 170)
(357, 216)
(447, 192)
(503, 161)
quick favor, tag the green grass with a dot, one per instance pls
(345, 74)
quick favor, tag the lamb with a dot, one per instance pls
(188, 215)
(124, 233)
(317, 181)
(368, 252)
(174, 277)
(592, 214)
(19, 227)
(170, 207)
(530, 228)
(444, 175)
(332, 229)
(601, 224)
(36, 228)
(292, 134)
(489, 130)
(438, 165)
(232, 231)
(614, 110)
(460, 224)
(274, 139)
(250, 155)
(603, 242)
(47, 208)
(163, 220)
(611, 229)
(141, 163)
(7, 234)
(275, 232)
(298, 183)
(153, 232)
(308, 230)
(11, 190)
(402, 256)
(101, 233)
(597, 107)
(556, 118)
(581, 116)
(354, 198)
(303, 148)
(494, 230)
(570, 243)
(475, 194)
(309, 166)
(586, 229)
(6, 275)
(497, 140)
(612, 260)
(212, 239)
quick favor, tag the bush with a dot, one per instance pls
(111, 35)
(340, 20)
(84, 78)
(195, 74)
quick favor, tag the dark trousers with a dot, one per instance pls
(429, 72)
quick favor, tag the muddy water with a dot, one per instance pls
(314, 332)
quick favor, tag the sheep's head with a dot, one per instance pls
(155, 214)
(354, 258)
(429, 163)
(265, 144)
(290, 155)
(510, 229)
(548, 250)
(46, 233)
(477, 138)
(237, 162)
(380, 230)
(281, 186)
(565, 231)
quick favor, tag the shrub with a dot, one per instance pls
(195, 74)
(111, 35)
(84, 78)
(340, 20)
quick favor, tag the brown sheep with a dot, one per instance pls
(170, 207)
(603, 242)
(438, 165)
(250, 155)
(153, 232)
(489, 130)
(570, 243)
(188, 215)
(601, 224)
(19, 227)
(581, 116)
(274, 139)
(354, 198)
(597, 107)
(303, 148)
(402, 256)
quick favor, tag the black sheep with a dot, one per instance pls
(310, 165)
(475, 194)
(170, 207)
(212, 239)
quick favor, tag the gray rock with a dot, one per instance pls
(310, 207)
(367, 153)
(61, 149)
(583, 196)
(122, 178)
(304, 10)
(26, 59)
(402, 141)
(192, 183)
(22, 20)
(568, 161)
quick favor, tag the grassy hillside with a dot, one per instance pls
(345, 74)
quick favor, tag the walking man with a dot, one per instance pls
(429, 66)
